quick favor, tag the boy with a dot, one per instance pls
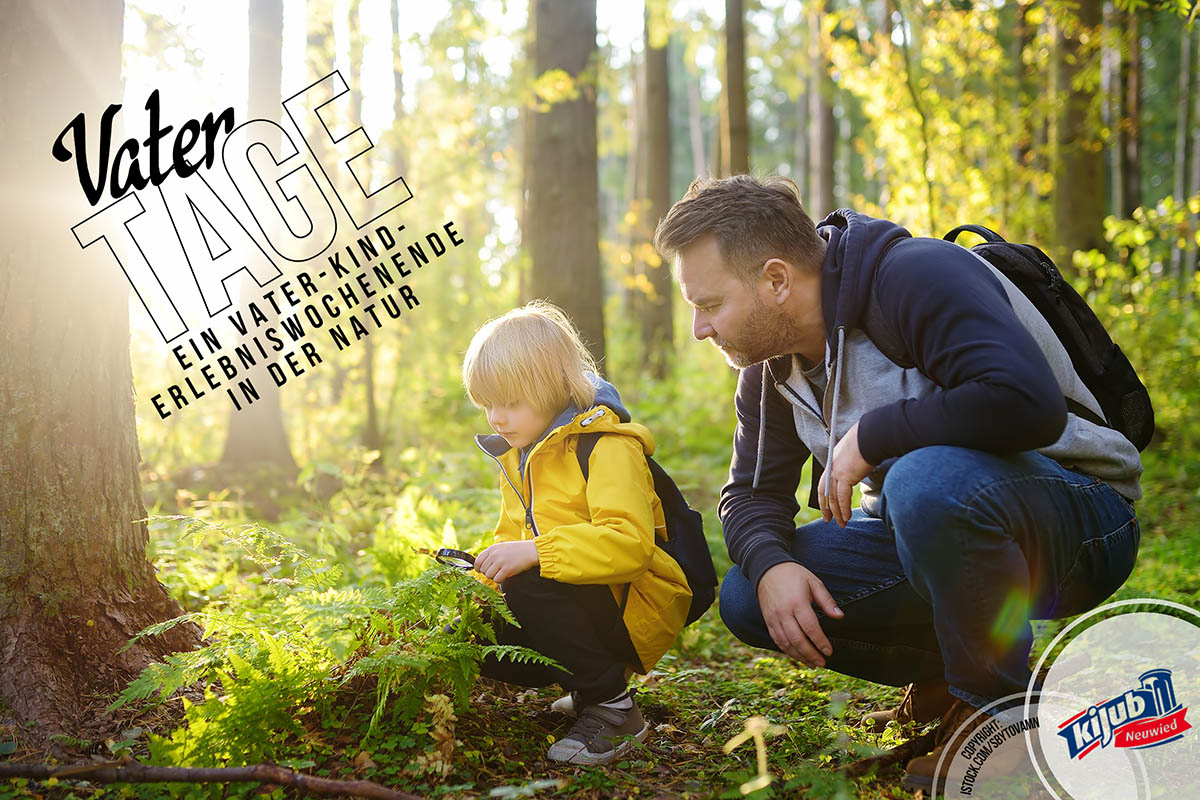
(576, 559)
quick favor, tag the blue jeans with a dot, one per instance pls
(970, 547)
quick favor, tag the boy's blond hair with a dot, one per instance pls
(531, 353)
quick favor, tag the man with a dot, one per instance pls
(911, 366)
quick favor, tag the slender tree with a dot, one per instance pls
(1193, 249)
(696, 128)
(1079, 168)
(803, 134)
(735, 130)
(256, 436)
(563, 222)
(371, 437)
(1187, 82)
(821, 149)
(75, 584)
(1129, 126)
(656, 316)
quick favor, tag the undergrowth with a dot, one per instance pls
(331, 641)
(284, 670)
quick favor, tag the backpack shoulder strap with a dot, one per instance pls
(584, 446)
(583, 450)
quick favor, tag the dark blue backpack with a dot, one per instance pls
(685, 531)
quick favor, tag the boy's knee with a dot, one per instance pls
(527, 583)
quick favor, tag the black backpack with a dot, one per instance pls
(685, 532)
(1104, 369)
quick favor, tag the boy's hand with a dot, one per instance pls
(503, 560)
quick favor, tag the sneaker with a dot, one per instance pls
(600, 735)
(922, 703)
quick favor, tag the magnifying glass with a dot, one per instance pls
(455, 558)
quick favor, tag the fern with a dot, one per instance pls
(274, 655)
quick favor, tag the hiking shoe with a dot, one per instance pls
(922, 772)
(1008, 766)
(600, 735)
(565, 705)
(922, 703)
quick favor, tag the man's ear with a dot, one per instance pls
(775, 281)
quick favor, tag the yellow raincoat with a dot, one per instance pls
(599, 531)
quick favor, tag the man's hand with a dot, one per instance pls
(504, 559)
(786, 594)
(848, 468)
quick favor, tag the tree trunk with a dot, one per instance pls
(1187, 78)
(1193, 250)
(656, 314)
(75, 584)
(256, 436)
(563, 225)
(1023, 96)
(801, 144)
(696, 129)
(735, 130)
(821, 121)
(634, 294)
(371, 438)
(1110, 88)
(1130, 126)
(1079, 178)
(527, 115)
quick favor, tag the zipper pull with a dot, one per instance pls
(529, 518)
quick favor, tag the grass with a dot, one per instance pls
(436, 491)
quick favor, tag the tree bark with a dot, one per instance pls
(656, 314)
(696, 129)
(801, 144)
(1130, 126)
(256, 436)
(1193, 250)
(821, 121)
(634, 295)
(75, 584)
(735, 130)
(371, 438)
(563, 225)
(1187, 77)
(1079, 168)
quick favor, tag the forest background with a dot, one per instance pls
(554, 134)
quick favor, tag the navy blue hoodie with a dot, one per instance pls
(941, 310)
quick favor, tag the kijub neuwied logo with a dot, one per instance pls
(1147, 716)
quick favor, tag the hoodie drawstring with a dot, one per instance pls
(762, 427)
(837, 386)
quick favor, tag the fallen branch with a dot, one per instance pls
(129, 772)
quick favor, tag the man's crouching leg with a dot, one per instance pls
(992, 541)
(886, 634)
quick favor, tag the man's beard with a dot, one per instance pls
(765, 334)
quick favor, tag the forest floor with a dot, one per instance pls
(282, 601)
